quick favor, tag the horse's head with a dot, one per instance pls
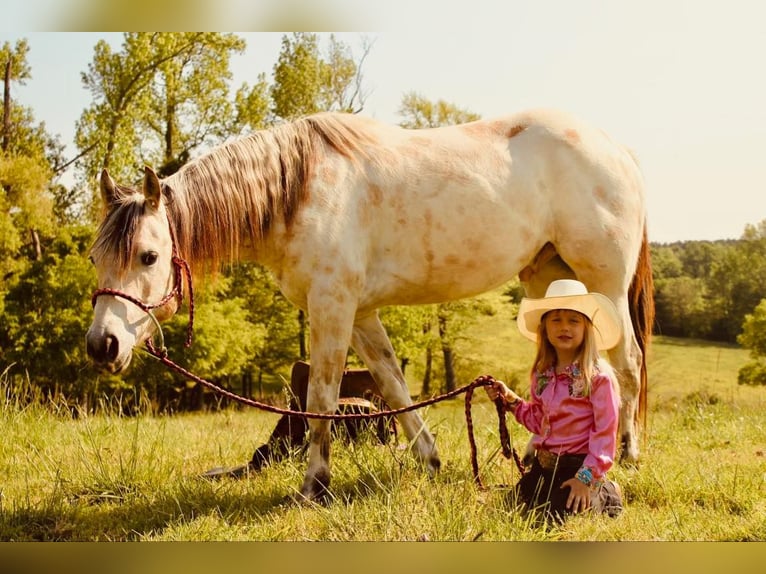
(138, 276)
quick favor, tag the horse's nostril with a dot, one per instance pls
(103, 350)
(112, 347)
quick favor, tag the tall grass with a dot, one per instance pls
(109, 477)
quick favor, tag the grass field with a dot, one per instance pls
(702, 475)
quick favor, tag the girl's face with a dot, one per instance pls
(565, 330)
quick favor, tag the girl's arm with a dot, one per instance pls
(602, 444)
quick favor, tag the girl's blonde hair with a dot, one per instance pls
(588, 357)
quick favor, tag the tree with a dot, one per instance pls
(306, 83)
(736, 282)
(252, 106)
(682, 307)
(46, 313)
(189, 104)
(156, 101)
(418, 112)
(27, 158)
(753, 337)
(272, 314)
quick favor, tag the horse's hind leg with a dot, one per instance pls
(627, 358)
(372, 344)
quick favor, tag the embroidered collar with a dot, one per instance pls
(572, 371)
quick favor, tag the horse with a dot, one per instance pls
(351, 214)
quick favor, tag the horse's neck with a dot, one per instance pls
(226, 208)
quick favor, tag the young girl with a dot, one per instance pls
(573, 410)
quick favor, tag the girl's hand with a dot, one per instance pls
(500, 389)
(579, 495)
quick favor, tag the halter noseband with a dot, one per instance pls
(180, 269)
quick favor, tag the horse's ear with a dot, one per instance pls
(108, 188)
(152, 188)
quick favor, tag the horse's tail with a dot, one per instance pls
(641, 296)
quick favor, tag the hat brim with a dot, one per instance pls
(598, 308)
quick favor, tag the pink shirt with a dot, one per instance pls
(564, 422)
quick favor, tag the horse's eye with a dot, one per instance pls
(149, 257)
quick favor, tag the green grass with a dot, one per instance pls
(106, 477)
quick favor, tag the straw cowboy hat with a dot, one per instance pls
(571, 294)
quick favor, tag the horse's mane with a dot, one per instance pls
(114, 237)
(235, 192)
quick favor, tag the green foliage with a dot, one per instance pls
(161, 96)
(405, 328)
(252, 106)
(297, 76)
(681, 307)
(24, 190)
(226, 340)
(419, 112)
(753, 373)
(753, 337)
(306, 82)
(47, 312)
(271, 313)
(705, 289)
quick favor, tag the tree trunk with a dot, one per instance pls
(425, 391)
(449, 360)
(302, 335)
(6, 141)
(37, 252)
(7, 107)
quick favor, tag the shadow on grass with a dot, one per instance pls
(133, 512)
(106, 517)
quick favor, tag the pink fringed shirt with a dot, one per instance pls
(565, 422)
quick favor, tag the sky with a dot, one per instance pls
(680, 82)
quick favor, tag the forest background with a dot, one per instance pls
(164, 98)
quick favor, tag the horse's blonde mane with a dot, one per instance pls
(115, 234)
(237, 191)
(234, 193)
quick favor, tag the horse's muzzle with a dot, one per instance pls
(104, 351)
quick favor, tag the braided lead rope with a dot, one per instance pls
(505, 437)
(481, 381)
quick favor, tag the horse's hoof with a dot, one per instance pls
(433, 466)
(315, 489)
(628, 461)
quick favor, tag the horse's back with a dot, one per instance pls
(444, 213)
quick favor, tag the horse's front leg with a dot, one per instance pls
(372, 344)
(330, 333)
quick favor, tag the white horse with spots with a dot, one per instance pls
(352, 215)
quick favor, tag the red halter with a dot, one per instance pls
(180, 269)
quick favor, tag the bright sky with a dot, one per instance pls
(680, 82)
